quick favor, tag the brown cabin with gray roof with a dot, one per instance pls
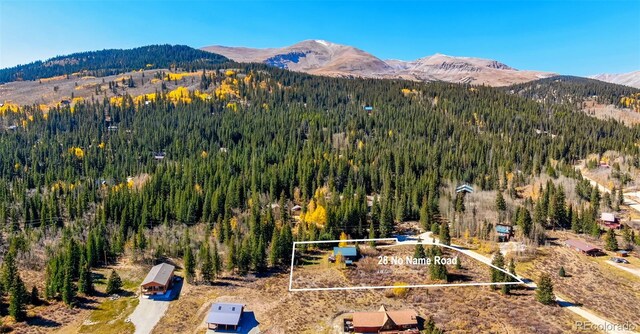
(158, 280)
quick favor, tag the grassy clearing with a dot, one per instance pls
(111, 316)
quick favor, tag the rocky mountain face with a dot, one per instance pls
(326, 58)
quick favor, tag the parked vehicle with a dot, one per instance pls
(619, 260)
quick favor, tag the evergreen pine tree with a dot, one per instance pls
(424, 214)
(34, 298)
(562, 272)
(114, 283)
(189, 264)
(627, 238)
(501, 205)
(275, 248)
(595, 199)
(68, 288)
(524, 221)
(17, 299)
(9, 270)
(620, 199)
(445, 236)
(437, 271)
(206, 266)
(231, 255)
(512, 267)
(611, 243)
(419, 253)
(544, 292)
(372, 234)
(497, 275)
(85, 280)
(216, 261)
(386, 221)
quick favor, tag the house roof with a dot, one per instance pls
(225, 314)
(384, 317)
(608, 217)
(506, 229)
(159, 274)
(345, 251)
(404, 317)
(581, 245)
(464, 188)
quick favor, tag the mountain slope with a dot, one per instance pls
(311, 56)
(114, 61)
(631, 79)
(326, 58)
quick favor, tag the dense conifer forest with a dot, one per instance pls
(88, 183)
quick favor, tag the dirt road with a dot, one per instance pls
(626, 268)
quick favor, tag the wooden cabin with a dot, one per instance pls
(158, 280)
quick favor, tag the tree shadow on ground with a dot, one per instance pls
(85, 303)
(39, 321)
(455, 278)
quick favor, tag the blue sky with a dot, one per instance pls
(568, 37)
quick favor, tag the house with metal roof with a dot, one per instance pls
(158, 280)
(609, 220)
(504, 232)
(224, 316)
(583, 247)
(465, 188)
(349, 254)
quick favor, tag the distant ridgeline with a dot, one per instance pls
(572, 90)
(114, 61)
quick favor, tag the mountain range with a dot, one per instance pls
(628, 79)
(326, 58)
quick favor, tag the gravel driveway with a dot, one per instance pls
(147, 314)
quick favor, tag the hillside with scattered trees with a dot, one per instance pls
(114, 61)
(573, 90)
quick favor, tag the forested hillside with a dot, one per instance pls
(572, 90)
(114, 61)
(82, 186)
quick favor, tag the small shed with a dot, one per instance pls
(224, 316)
(583, 247)
(622, 253)
(368, 109)
(158, 280)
